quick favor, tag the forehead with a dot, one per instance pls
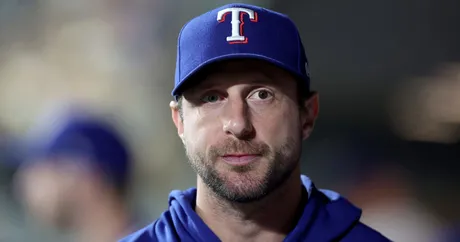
(242, 71)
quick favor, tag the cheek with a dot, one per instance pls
(40, 191)
(277, 124)
(201, 132)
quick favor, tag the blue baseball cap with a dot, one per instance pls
(239, 31)
(97, 142)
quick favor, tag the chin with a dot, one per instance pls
(243, 176)
(243, 187)
(60, 221)
(46, 218)
(245, 194)
(50, 215)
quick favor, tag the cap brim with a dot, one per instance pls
(177, 91)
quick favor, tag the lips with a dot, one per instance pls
(240, 159)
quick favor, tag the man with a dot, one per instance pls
(76, 176)
(243, 107)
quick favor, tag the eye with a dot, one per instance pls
(262, 94)
(211, 98)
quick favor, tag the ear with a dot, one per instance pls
(175, 114)
(308, 117)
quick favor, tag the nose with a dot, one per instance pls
(236, 120)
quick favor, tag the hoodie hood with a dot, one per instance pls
(326, 216)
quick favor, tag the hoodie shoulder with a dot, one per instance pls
(142, 235)
(363, 233)
(146, 234)
(159, 230)
(177, 223)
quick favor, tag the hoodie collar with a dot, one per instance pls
(326, 216)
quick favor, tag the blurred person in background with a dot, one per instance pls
(380, 175)
(451, 234)
(425, 111)
(426, 108)
(76, 175)
(391, 206)
(242, 108)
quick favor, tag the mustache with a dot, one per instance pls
(232, 146)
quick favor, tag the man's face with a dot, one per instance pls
(47, 192)
(243, 127)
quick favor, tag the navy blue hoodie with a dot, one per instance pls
(326, 217)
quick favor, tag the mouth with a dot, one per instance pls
(240, 159)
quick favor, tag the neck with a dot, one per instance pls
(103, 220)
(269, 219)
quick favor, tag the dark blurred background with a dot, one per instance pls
(387, 71)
